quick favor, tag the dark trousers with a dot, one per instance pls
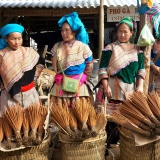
(112, 134)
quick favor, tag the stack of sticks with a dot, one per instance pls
(140, 113)
(26, 125)
(14, 117)
(79, 121)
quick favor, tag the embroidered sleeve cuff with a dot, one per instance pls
(142, 73)
(139, 76)
(89, 59)
(102, 71)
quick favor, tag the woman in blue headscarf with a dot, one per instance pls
(75, 58)
(17, 69)
(74, 54)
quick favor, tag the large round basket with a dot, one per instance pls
(89, 149)
(128, 150)
(40, 152)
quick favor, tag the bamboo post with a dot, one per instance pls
(147, 53)
(101, 28)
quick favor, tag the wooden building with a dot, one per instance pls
(41, 16)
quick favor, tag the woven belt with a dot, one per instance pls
(27, 87)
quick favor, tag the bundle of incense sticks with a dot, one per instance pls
(139, 101)
(34, 120)
(14, 116)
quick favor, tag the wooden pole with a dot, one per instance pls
(101, 28)
(147, 53)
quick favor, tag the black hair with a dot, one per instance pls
(130, 28)
(6, 36)
(69, 25)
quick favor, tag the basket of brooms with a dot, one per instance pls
(22, 131)
(82, 133)
(139, 115)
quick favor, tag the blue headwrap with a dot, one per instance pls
(7, 29)
(76, 25)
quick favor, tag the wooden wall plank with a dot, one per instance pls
(48, 12)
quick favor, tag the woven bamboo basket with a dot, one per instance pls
(128, 150)
(89, 149)
(40, 152)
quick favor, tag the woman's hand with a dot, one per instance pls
(106, 89)
(108, 92)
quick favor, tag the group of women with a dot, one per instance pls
(121, 67)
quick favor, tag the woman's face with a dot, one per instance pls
(67, 33)
(124, 33)
(14, 40)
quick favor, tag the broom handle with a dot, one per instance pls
(60, 126)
